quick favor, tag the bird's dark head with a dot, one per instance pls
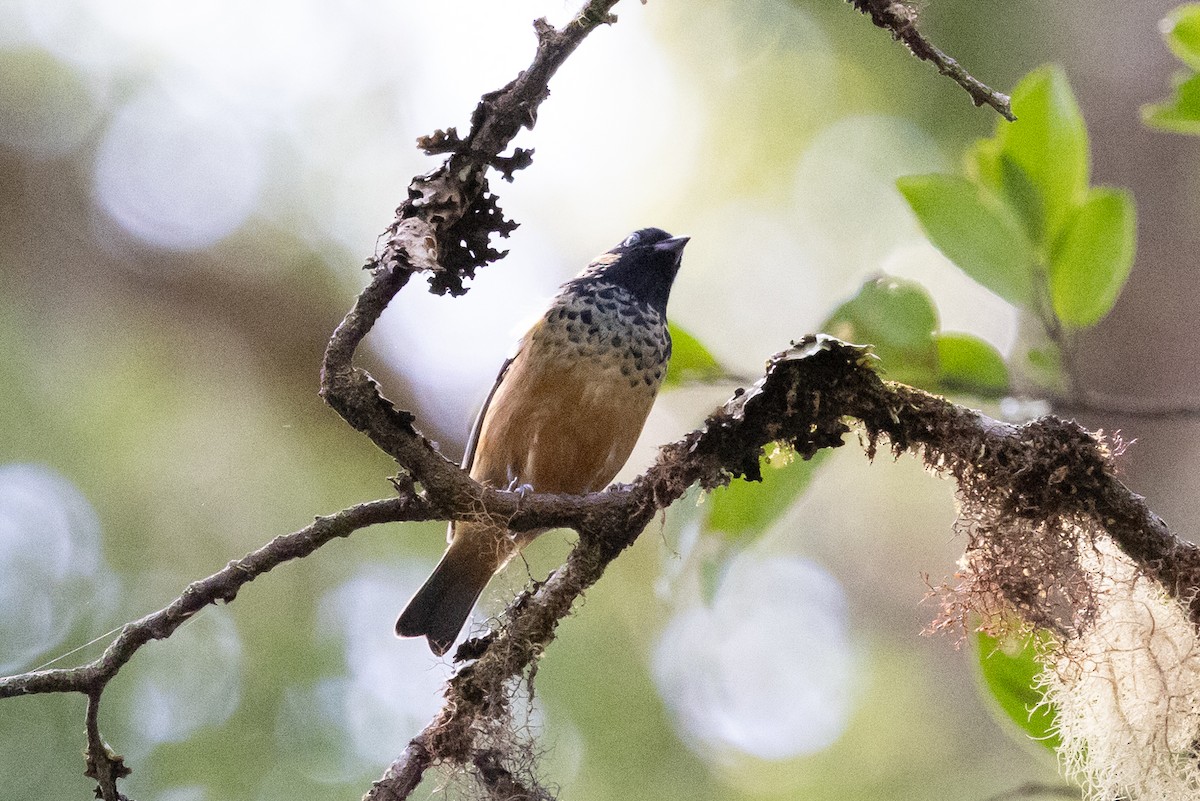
(645, 263)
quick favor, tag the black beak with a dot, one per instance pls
(673, 245)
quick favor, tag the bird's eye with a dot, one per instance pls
(631, 240)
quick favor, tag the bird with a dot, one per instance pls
(562, 416)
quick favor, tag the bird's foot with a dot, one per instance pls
(522, 490)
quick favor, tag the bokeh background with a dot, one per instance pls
(187, 193)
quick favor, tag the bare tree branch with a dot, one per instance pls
(220, 586)
(444, 228)
(901, 19)
(102, 764)
(404, 774)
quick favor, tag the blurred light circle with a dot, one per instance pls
(49, 106)
(768, 669)
(710, 263)
(853, 165)
(310, 735)
(193, 682)
(51, 571)
(179, 170)
(391, 688)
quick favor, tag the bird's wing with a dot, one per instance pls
(473, 442)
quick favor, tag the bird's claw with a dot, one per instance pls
(523, 490)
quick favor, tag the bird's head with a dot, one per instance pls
(645, 263)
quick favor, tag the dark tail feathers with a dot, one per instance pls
(440, 608)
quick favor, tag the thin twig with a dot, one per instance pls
(901, 19)
(102, 764)
(220, 586)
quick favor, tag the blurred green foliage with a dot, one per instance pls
(1025, 223)
(968, 365)
(898, 320)
(690, 360)
(1181, 30)
(744, 511)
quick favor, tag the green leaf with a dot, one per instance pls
(1182, 113)
(1045, 358)
(968, 364)
(1093, 259)
(1181, 30)
(744, 510)
(690, 360)
(975, 231)
(1023, 197)
(988, 166)
(898, 319)
(890, 310)
(981, 162)
(1009, 672)
(1049, 143)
